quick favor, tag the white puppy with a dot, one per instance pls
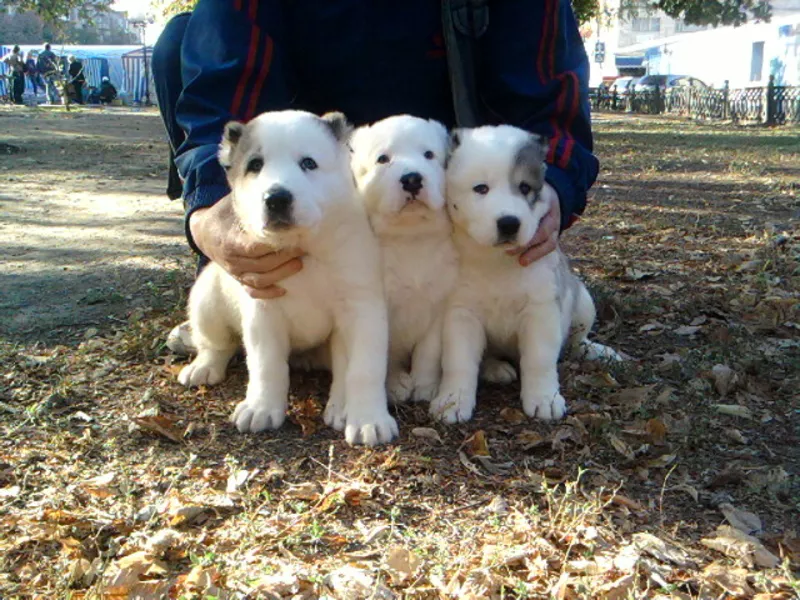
(495, 176)
(398, 164)
(292, 188)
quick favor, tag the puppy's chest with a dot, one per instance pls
(311, 296)
(417, 278)
(502, 298)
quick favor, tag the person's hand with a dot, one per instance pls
(546, 238)
(217, 233)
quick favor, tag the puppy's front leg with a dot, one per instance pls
(463, 342)
(426, 364)
(540, 340)
(365, 330)
(266, 342)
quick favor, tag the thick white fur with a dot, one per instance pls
(414, 232)
(523, 312)
(336, 297)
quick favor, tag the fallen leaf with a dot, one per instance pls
(657, 431)
(740, 546)
(685, 487)
(303, 491)
(351, 582)
(161, 425)
(661, 461)
(736, 436)
(498, 507)
(734, 410)
(531, 439)
(305, 413)
(476, 444)
(427, 433)
(101, 486)
(654, 326)
(731, 580)
(619, 589)
(634, 274)
(725, 379)
(401, 563)
(123, 575)
(620, 446)
(742, 520)
(468, 465)
(686, 330)
(10, 492)
(620, 500)
(513, 416)
(237, 479)
(661, 550)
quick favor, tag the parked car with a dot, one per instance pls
(621, 84)
(650, 83)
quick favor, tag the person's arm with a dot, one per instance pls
(233, 67)
(535, 75)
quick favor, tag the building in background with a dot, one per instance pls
(654, 43)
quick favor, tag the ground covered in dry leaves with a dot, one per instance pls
(674, 476)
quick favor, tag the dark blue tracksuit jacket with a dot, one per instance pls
(372, 59)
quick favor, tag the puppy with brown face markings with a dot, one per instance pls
(495, 182)
(292, 187)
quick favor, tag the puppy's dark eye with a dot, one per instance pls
(255, 165)
(308, 164)
(481, 189)
(383, 159)
(429, 155)
(525, 188)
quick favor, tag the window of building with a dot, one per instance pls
(757, 61)
(646, 24)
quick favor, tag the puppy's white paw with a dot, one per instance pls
(546, 407)
(399, 387)
(335, 415)
(494, 370)
(369, 427)
(253, 417)
(203, 370)
(453, 406)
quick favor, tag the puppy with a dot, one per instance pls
(398, 164)
(292, 187)
(495, 177)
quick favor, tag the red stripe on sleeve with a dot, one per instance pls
(253, 10)
(236, 105)
(543, 45)
(553, 42)
(573, 111)
(556, 117)
(237, 4)
(266, 62)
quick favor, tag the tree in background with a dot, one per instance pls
(693, 12)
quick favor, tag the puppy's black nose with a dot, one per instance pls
(507, 227)
(412, 182)
(278, 200)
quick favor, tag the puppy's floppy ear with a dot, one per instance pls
(230, 138)
(339, 125)
(452, 144)
(357, 142)
(543, 143)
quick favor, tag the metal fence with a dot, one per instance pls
(770, 105)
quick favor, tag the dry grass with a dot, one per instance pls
(115, 482)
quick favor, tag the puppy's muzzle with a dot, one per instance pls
(279, 202)
(507, 229)
(412, 183)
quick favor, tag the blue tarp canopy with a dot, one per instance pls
(628, 62)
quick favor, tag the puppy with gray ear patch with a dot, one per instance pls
(292, 187)
(495, 179)
(398, 164)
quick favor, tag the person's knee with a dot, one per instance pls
(167, 50)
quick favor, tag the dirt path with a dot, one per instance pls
(84, 222)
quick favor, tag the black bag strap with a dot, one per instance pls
(463, 22)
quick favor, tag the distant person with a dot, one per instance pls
(77, 79)
(108, 93)
(32, 71)
(16, 66)
(49, 71)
